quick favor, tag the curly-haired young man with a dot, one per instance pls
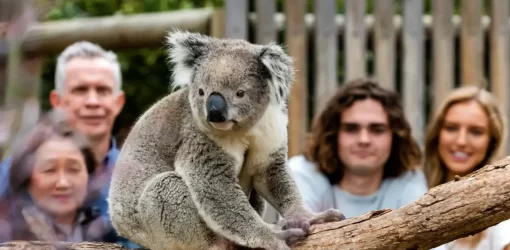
(360, 154)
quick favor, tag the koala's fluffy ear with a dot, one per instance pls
(184, 50)
(281, 69)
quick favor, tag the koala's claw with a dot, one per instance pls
(302, 224)
(329, 215)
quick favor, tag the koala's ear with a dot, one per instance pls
(184, 51)
(281, 69)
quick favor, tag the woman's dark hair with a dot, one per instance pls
(322, 141)
(50, 125)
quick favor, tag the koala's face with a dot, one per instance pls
(230, 89)
(231, 82)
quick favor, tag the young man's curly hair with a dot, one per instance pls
(322, 146)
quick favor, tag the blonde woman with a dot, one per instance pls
(467, 132)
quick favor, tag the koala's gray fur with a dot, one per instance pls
(180, 183)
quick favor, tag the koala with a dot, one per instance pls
(197, 167)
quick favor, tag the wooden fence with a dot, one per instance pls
(422, 58)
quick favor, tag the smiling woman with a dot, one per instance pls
(467, 133)
(50, 171)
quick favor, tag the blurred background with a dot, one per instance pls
(332, 41)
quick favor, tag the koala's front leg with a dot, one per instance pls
(224, 207)
(275, 183)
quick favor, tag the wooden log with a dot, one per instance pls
(446, 212)
(38, 245)
(114, 32)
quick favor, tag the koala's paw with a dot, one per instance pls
(303, 221)
(329, 215)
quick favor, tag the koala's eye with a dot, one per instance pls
(200, 92)
(240, 93)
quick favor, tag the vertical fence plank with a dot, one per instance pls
(385, 43)
(217, 28)
(443, 51)
(472, 42)
(325, 52)
(355, 39)
(236, 19)
(265, 30)
(413, 86)
(500, 55)
(296, 40)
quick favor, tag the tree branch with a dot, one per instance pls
(447, 212)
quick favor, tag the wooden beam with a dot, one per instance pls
(480, 200)
(114, 32)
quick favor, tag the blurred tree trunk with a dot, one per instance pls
(447, 212)
(19, 75)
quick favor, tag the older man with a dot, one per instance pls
(88, 87)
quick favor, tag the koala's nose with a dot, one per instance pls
(216, 108)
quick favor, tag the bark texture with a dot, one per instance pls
(37, 245)
(447, 212)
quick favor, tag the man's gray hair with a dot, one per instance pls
(85, 49)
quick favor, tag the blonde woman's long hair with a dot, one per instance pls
(434, 169)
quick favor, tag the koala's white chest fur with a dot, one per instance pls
(252, 150)
(236, 147)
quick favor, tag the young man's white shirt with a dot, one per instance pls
(320, 195)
